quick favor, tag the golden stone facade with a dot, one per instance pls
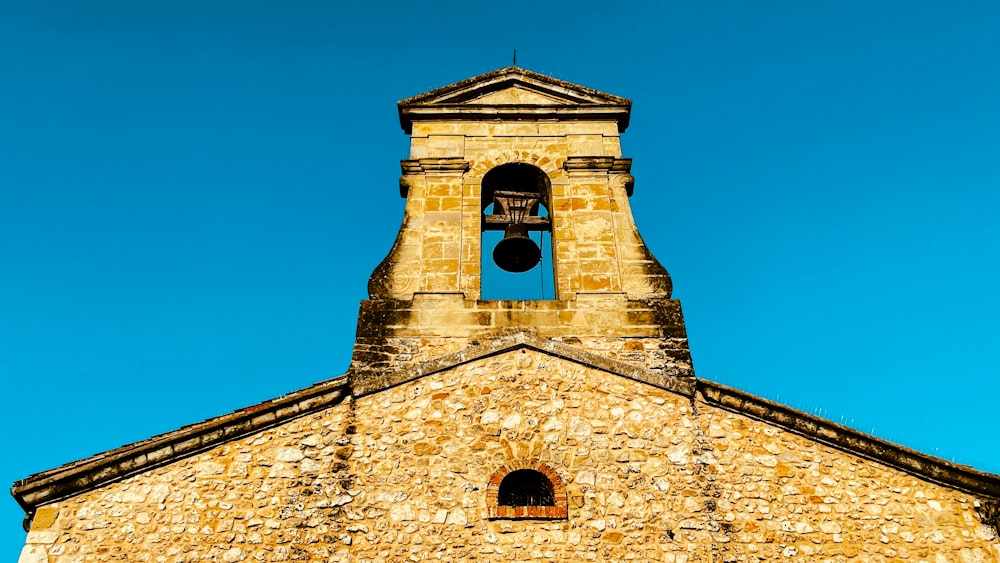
(401, 475)
(404, 458)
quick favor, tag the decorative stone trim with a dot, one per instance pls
(498, 158)
(589, 163)
(474, 87)
(434, 165)
(622, 165)
(626, 181)
(460, 112)
(454, 101)
(494, 510)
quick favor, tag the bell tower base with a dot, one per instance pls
(396, 334)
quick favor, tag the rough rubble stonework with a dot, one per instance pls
(401, 476)
(402, 458)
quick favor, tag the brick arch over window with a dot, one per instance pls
(532, 473)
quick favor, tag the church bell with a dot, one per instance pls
(512, 210)
(516, 252)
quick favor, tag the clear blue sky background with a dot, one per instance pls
(193, 194)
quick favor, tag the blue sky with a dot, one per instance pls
(193, 194)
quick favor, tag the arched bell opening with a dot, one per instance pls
(516, 249)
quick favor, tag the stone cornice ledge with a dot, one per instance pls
(424, 165)
(619, 113)
(372, 382)
(87, 474)
(597, 164)
(849, 440)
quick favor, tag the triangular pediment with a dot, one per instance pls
(514, 93)
(513, 85)
(518, 95)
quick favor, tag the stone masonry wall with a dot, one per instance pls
(596, 246)
(401, 475)
(657, 355)
(649, 333)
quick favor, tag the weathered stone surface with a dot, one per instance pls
(33, 554)
(570, 134)
(690, 493)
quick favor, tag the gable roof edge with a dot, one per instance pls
(366, 383)
(89, 473)
(449, 102)
(511, 71)
(849, 440)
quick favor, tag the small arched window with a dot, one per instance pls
(526, 489)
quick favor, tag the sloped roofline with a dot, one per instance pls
(456, 101)
(366, 384)
(88, 474)
(849, 440)
(464, 90)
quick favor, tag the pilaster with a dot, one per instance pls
(426, 256)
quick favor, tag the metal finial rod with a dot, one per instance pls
(515, 57)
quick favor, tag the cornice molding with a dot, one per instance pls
(434, 166)
(459, 101)
(609, 164)
(618, 114)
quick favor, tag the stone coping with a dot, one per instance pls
(851, 441)
(471, 88)
(457, 101)
(368, 383)
(87, 474)
(113, 465)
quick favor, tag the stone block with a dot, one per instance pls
(45, 516)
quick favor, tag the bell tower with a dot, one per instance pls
(518, 152)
